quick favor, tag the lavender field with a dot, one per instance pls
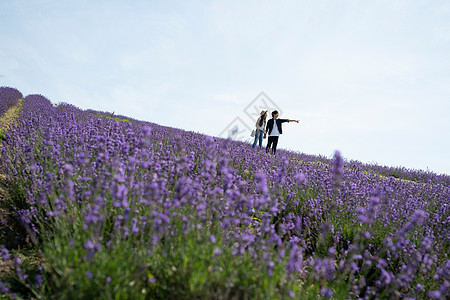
(107, 207)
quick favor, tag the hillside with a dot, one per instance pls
(96, 205)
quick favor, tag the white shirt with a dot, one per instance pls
(275, 131)
(263, 125)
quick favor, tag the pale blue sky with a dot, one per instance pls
(368, 78)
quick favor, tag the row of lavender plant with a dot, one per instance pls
(8, 98)
(419, 176)
(123, 208)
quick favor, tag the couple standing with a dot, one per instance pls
(274, 131)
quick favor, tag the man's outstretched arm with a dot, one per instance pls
(287, 120)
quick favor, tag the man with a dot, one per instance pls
(274, 131)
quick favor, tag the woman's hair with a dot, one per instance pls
(262, 118)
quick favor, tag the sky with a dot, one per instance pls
(368, 78)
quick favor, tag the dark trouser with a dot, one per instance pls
(274, 140)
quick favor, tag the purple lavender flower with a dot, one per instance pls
(134, 227)
(89, 245)
(326, 292)
(261, 183)
(301, 179)
(4, 287)
(17, 261)
(270, 265)
(5, 253)
(89, 274)
(38, 280)
(295, 261)
(419, 287)
(68, 168)
(212, 238)
(434, 295)
(337, 166)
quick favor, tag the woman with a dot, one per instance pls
(260, 124)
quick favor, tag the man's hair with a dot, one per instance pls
(274, 113)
